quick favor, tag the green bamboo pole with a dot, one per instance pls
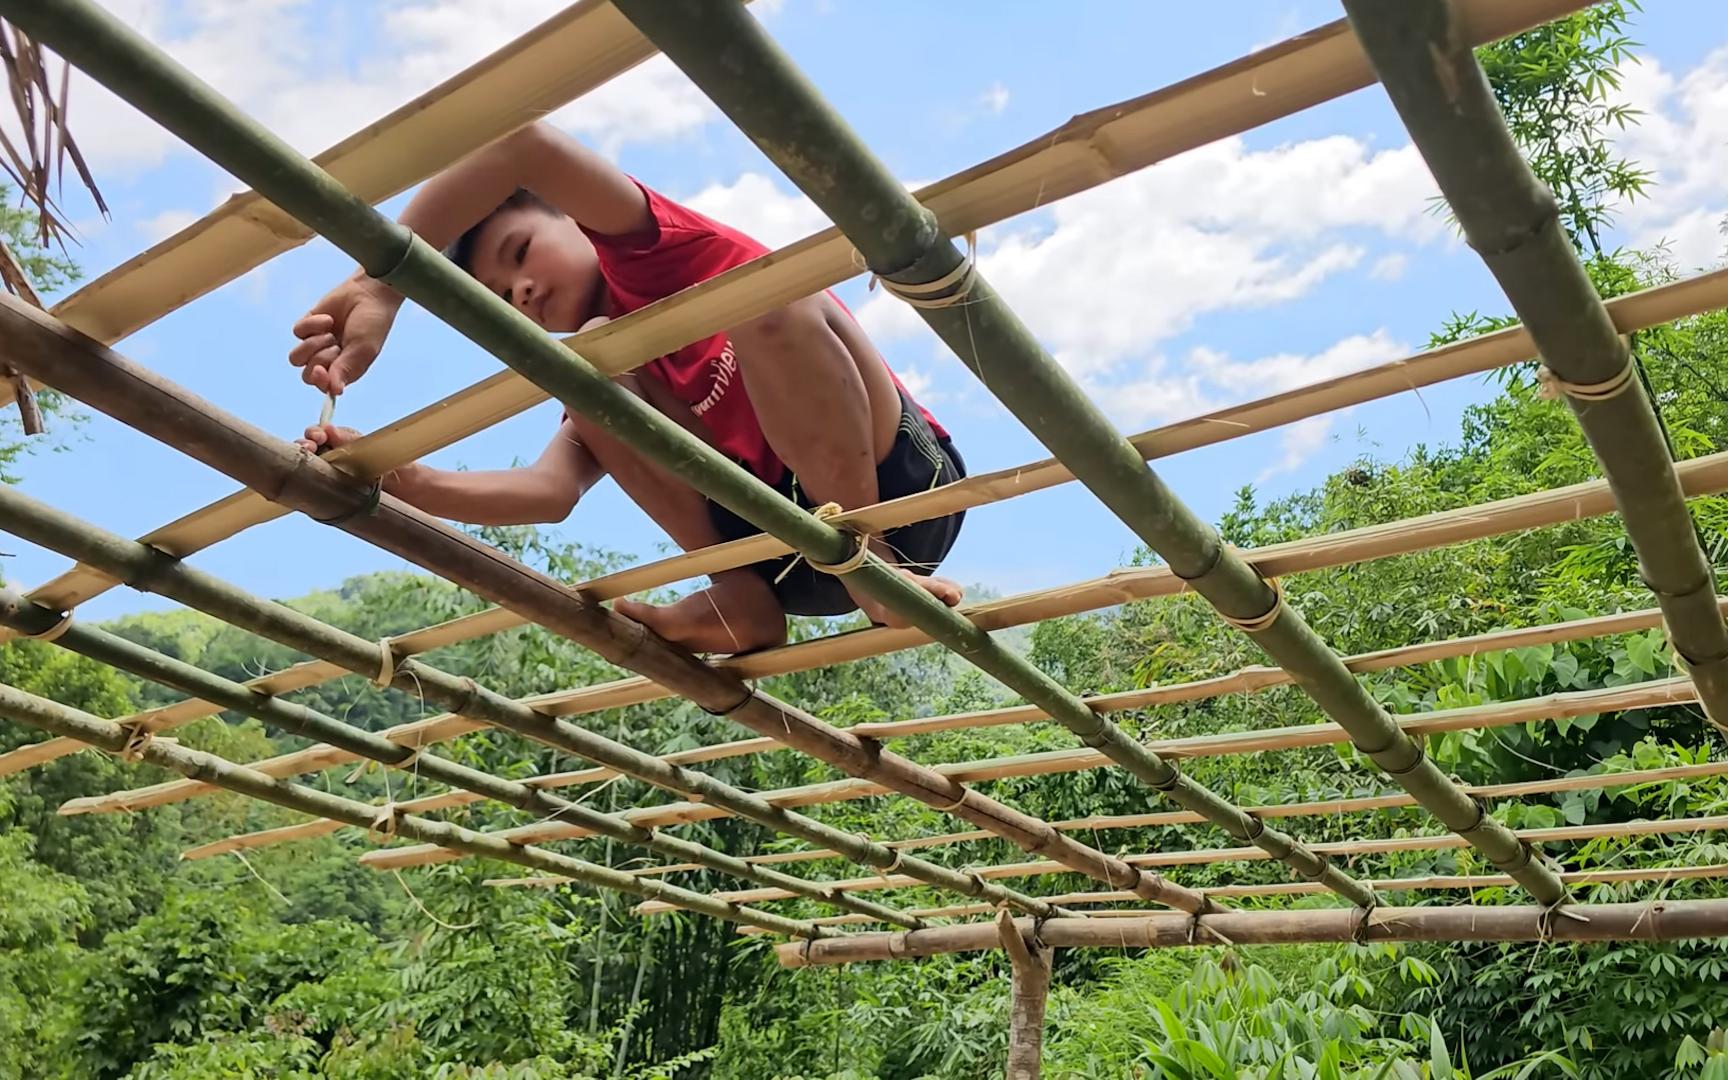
(150, 80)
(1513, 223)
(34, 620)
(206, 768)
(148, 569)
(729, 55)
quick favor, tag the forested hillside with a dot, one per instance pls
(120, 959)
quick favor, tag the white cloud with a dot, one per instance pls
(1682, 137)
(1297, 444)
(314, 78)
(1389, 267)
(995, 99)
(166, 224)
(755, 205)
(1107, 275)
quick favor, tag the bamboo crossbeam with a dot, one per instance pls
(1382, 887)
(1087, 151)
(33, 620)
(1213, 856)
(1357, 804)
(1655, 920)
(23, 708)
(248, 451)
(1051, 762)
(738, 65)
(151, 81)
(1699, 476)
(1513, 222)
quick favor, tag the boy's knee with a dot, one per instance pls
(779, 327)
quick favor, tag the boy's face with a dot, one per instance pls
(541, 263)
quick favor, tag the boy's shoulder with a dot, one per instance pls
(682, 247)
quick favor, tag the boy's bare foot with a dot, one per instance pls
(949, 592)
(738, 613)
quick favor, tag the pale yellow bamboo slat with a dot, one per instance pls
(1699, 476)
(1207, 857)
(1530, 710)
(1281, 888)
(1087, 151)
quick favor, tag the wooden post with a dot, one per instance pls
(1031, 964)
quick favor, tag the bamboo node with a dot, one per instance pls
(1260, 622)
(386, 665)
(1551, 387)
(53, 632)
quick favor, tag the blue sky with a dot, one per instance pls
(1295, 253)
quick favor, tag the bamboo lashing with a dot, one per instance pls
(162, 89)
(1087, 151)
(1513, 222)
(1700, 476)
(763, 92)
(1214, 856)
(1051, 762)
(23, 708)
(1382, 886)
(106, 648)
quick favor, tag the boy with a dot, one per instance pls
(799, 397)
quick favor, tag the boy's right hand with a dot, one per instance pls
(343, 333)
(320, 438)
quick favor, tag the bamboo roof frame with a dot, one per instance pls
(1101, 459)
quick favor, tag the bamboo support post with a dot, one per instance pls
(1559, 834)
(131, 745)
(147, 568)
(17, 281)
(1030, 963)
(151, 81)
(1513, 223)
(1050, 762)
(732, 58)
(573, 52)
(35, 621)
(1657, 920)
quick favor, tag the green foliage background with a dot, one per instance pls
(118, 959)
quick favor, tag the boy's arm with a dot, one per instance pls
(544, 492)
(344, 332)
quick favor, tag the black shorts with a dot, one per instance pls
(920, 460)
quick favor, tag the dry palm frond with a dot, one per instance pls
(39, 169)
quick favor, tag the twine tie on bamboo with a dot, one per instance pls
(860, 554)
(957, 803)
(1551, 387)
(1260, 622)
(138, 739)
(384, 824)
(53, 632)
(952, 288)
(387, 667)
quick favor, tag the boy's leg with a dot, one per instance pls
(830, 410)
(739, 611)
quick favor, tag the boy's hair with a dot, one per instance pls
(462, 251)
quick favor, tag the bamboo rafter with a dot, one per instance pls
(794, 126)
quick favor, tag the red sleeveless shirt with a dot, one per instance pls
(681, 249)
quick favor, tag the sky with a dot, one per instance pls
(1300, 251)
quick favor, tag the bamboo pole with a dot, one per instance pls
(1664, 875)
(1654, 920)
(33, 620)
(1355, 805)
(132, 745)
(1213, 856)
(1087, 151)
(761, 90)
(1700, 476)
(150, 80)
(1513, 222)
(147, 568)
(1030, 964)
